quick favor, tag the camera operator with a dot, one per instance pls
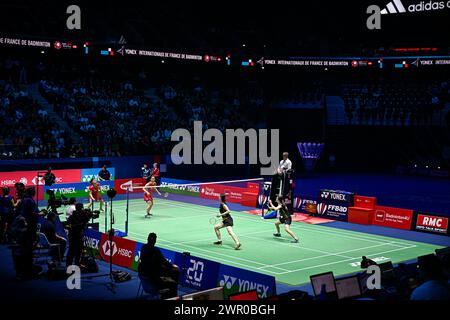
(49, 177)
(71, 208)
(6, 211)
(20, 193)
(27, 219)
(49, 229)
(76, 224)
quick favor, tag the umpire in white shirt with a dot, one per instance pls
(285, 164)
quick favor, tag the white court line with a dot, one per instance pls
(183, 205)
(211, 252)
(303, 228)
(323, 256)
(327, 264)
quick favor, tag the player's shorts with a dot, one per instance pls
(286, 221)
(97, 196)
(148, 198)
(228, 222)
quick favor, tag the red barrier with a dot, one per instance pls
(122, 250)
(360, 215)
(432, 223)
(365, 202)
(121, 185)
(29, 179)
(245, 196)
(393, 217)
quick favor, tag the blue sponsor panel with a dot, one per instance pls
(178, 186)
(334, 204)
(198, 273)
(336, 196)
(333, 211)
(236, 280)
(304, 204)
(76, 190)
(88, 174)
(91, 240)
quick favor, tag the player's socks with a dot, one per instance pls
(218, 242)
(277, 234)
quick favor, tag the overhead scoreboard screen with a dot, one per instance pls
(87, 48)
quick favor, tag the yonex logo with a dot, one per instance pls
(227, 281)
(395, 6)
(244, 285)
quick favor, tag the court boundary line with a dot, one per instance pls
(243, 215)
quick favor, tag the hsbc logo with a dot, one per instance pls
(109, 248)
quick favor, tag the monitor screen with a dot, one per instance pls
(250, 295)
(326, 279)
(442, 252)
(211, 294)
(348, 287)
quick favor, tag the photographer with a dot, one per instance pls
(49, 177)
(76, 224)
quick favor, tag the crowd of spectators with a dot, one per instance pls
(394, 103)
(26, 130)
(115, 119)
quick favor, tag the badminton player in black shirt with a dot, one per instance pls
(284, 218)
(227, 222)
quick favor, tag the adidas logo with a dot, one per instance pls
(395, 6)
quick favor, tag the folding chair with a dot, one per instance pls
(145, 286)
(44, 247)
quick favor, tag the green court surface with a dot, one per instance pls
(185, 227)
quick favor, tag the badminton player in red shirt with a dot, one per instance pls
(94, 194)
(148, 194)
